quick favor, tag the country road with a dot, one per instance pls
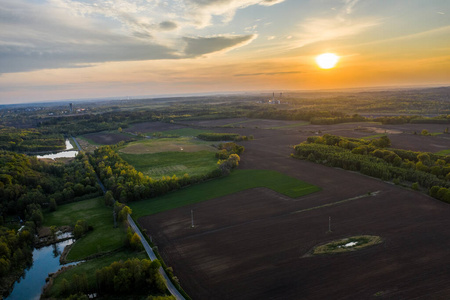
(147, 247)
(152, 256)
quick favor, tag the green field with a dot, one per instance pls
(103, 238)
(170, 156)
(90, 267)
(172, 163)
(238, 180)
(443, 152)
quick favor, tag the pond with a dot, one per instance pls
(45, 261)
(64, 154)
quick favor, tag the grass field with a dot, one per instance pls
(171, 156)
(90, 267)
(238, 180)
(103, 238)
(172, 163)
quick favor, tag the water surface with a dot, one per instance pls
(45, 261)
(64, 154)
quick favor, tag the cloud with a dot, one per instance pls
(168, 25)
(204, 45)
(202, 11)
(77, 33)
(267, 73)
(343, 24)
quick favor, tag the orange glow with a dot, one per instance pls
(327, 60)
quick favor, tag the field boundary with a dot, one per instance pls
(337, 202)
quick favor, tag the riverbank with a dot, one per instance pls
(45, 237)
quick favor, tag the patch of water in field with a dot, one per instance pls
(45, 261)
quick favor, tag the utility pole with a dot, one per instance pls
(329, 224)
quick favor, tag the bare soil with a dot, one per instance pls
(152, 127)
(251, 245)
(104, 138)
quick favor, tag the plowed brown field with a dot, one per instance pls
(254, 244)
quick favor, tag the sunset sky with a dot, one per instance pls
(73, 49)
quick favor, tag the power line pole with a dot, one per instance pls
(329, 224)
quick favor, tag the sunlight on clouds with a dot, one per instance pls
(337, 27)
(86, 48)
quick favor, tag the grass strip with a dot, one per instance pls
(103, 238)
(237, 181)
(443, 152)
(370, 137)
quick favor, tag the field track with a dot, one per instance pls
(251, 245)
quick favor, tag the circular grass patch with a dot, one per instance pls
(348, 244)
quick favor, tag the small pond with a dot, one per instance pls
(45, 261)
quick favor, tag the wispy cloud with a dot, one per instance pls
(342, 24)
(76, 33)
(202, 11)
(267, 73)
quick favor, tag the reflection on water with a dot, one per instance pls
(45, 261)
(68, 145)
(64, 154)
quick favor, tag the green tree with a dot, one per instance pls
(109, 198)
(124, 212)
(425, 132)
(52, 206)
(135, 242)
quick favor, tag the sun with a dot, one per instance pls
(327, 60)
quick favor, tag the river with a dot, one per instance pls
(63, 154)
(45, 261)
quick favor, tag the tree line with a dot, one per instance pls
(373, 158)
(27, 187)
(325, 117)
(119, 279)
(30, 140)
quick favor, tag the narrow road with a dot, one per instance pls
(76, 143)
(152, 256)
(147, 247)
